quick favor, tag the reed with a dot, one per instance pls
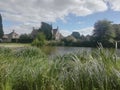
(30, 69)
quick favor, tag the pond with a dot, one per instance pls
(60, 51)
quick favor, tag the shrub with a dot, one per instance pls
(29, 52)
(39, 41)
(24, 38)
(5, 51)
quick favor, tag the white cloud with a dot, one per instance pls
(85, 31)
(35, 11)
(22, 28)
(96, 5)
(115, 4)
(65, 32)
(48, 10)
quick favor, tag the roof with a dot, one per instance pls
(55, 31)
(5, 36)
(34, 32)
(13, 33)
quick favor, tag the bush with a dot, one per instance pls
(39, 41)
(55, 43)
(5, 51)
(24, 38)
(29, 52)
(26, 70)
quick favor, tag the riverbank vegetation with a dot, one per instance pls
(30, 69)
(105, 32)
(14, 45)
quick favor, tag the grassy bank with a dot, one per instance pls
(30, 69)
(13, 45)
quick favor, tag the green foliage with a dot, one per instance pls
(39, 41)
(24, 72)
(25, 38)
(103, 32)
(55, 43)
(1, 27)
(117, 31)
(76, 35)
(46, 29)
(5, 51)
(29, 52)
(31, 70)
(68, 41)
(48, 50)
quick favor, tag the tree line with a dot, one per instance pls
(105, 32)
(1, 27)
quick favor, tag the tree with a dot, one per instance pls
(103, 32)
(39, 41)
(117, 31)
(69, 40)
(1, 27)
(46, 29)
(25, 38)
(76, 35)
(117, 35)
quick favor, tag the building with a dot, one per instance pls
(13, 36)
(76, 35)
(34, 33)
(56, 35)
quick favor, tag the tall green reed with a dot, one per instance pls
(30, 69)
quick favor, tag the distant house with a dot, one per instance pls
(56, 35)
(10, 37)
(34, 33)
(76, 35)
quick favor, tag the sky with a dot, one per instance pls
(68, 15)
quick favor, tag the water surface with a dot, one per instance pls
(60, 51)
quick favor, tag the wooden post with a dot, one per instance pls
(116, 45)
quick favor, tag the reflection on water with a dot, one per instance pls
(60, 51)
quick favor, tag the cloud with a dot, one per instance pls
(35, 11)
(115, 4)
(65, 32)
(48, 10)
(85, 31)
(22, 28)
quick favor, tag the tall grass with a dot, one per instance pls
(30, 69)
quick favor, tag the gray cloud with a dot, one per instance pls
(115, 4)
(84, 31)
(35, 11)
(48, 10)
